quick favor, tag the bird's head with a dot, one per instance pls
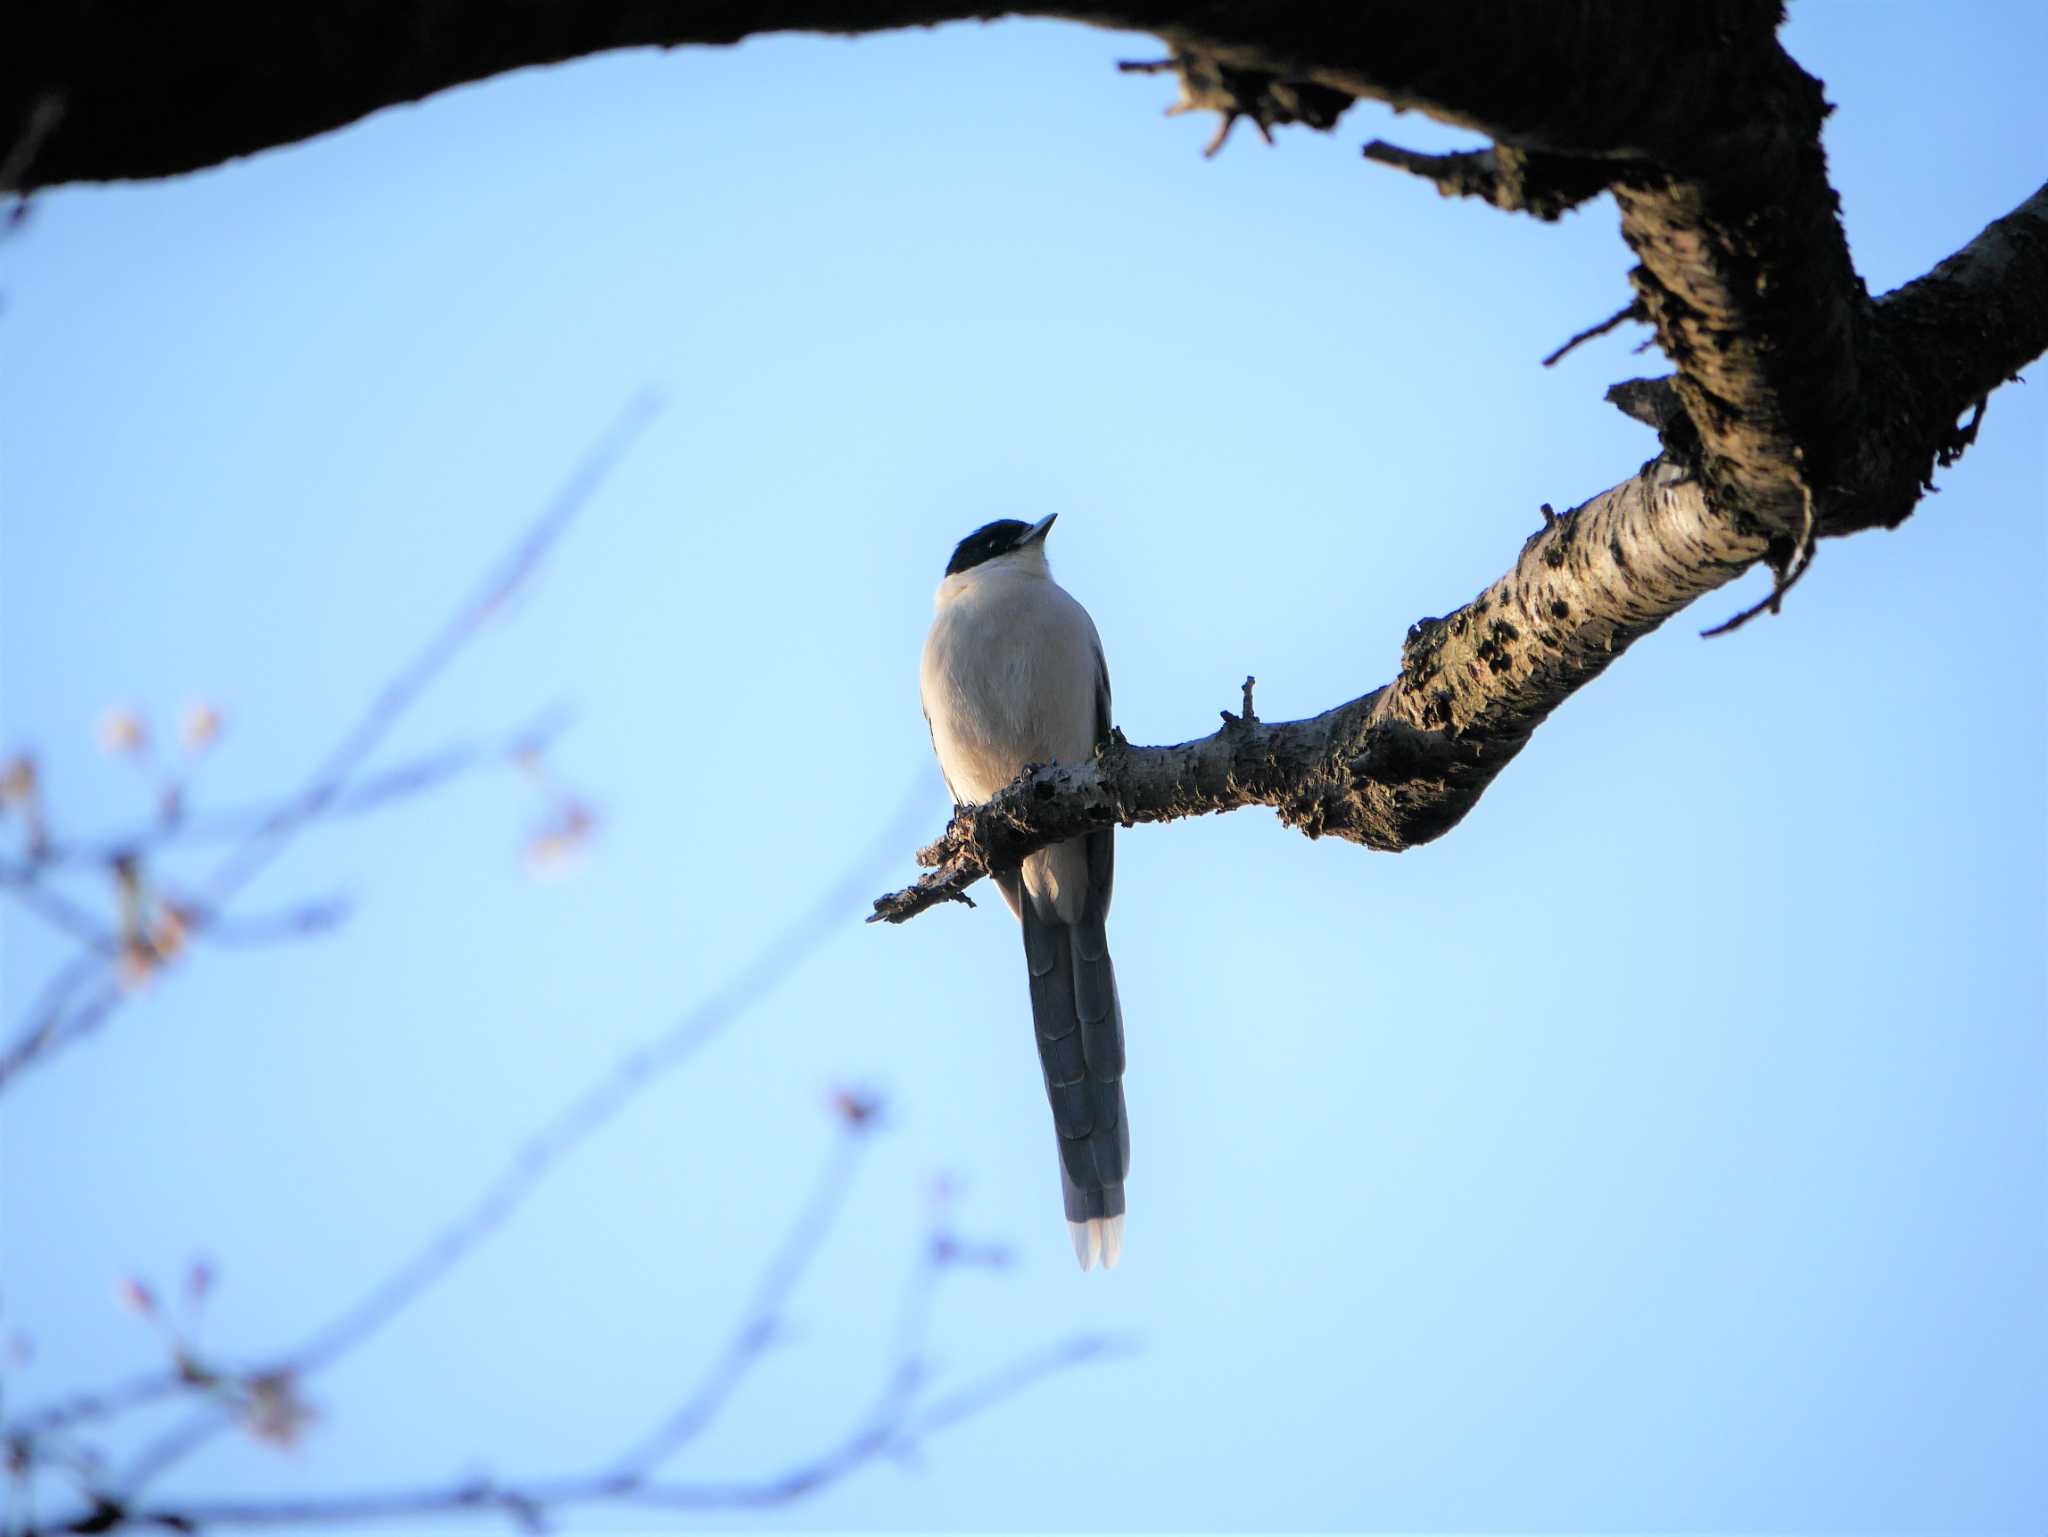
(1004, 539)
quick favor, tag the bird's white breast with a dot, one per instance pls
(1008, 677)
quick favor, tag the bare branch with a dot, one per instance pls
(305, 921)
(331, 778)
(901, 1422)
(900, 1418)
(369, 793)
(1567, 77)
(1007, 1382)
(761, 1323)
(50, 1014)
(1621, 316)
(23, 883)
(1936, 348)
(1403, 764)
(524, 1170)
(1516, 181)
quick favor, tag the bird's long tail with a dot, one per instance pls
(1080, 1032)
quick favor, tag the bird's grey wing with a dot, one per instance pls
(934, 735)
(1101, 844)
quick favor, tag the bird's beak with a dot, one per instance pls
(1037, 531)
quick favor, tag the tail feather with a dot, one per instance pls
(1079, 1027)
(1097, 1239)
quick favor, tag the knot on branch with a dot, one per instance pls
(1655, 403)
(1249, 718)
(1515, 180)
(1392, 752)
(1207, 84)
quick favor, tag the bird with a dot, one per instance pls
(1013, 675)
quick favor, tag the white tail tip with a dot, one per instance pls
(1098, 1239)
(1112, 1240)
(1087, 1238)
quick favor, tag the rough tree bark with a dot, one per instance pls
(1799, 408)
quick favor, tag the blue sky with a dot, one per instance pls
(1662, 1149)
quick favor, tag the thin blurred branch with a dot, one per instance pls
(301, 922)
(330, 784)
(52, 1007)
(761, 1324)
(627, 1078)
(372, 792)
(529, 1164)
(901, 1418)
(56, 909)
(331, 778)
(899, 1431)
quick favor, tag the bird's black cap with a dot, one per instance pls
(993, 539)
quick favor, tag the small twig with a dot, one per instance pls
(1207, 84)
(1517, 181)
(48, 1018)
(1631, 311)
(963, 1403)
(945, 884)
(1248, 718)
(302, 922)
(1464, 173)
(41, 121)
(84, 1408)
(760, 1324)
(24, 883)
(1783, 577)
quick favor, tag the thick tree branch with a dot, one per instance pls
(1403, 764)
(147, 92)
(1932, 350)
